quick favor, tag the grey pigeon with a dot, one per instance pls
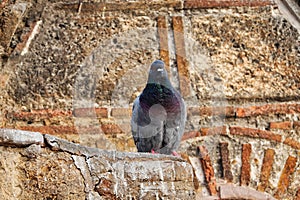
(158, 114)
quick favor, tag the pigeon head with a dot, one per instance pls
(158, 73)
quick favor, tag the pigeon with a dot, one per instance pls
(158, 114)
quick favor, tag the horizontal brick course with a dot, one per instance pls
(38, 114)
(53, 130)
(255, 133)
(292, 143)
(119, 6)
(225, 3)
(227, 111)
(190, 134)
(221, 130)
(111, 129)
(121, 112)
(90, 112)
(281, 125)
(267, 109)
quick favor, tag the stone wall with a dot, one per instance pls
(72, 69)
(36, 166)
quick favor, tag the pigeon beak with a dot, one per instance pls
(160, 70)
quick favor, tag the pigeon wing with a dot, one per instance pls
(147, 131)
(174, 129)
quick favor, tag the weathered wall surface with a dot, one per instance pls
(35, 166)
(73, 69)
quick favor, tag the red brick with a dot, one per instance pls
(246, 167)
(292, 143)
(284, 179)
(163, 41)
(3, 80)
(38, 114)
(297, 197)
(268, 109)
(208, 169)
(296, 124)
(119, 6)
(221, 130)
(90, 112)
(3, 3)
(255, 133)
(111, 129)
(266, 169)
(53, 130)
(226, 170)
(121, 112)
(225, 3)
(190, 134)
(281, 125)
(182, 63)
(209, 111)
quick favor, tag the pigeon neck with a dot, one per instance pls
(165, 82)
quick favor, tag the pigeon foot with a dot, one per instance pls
(153, 152)
(174, 153)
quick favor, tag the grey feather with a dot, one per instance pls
(158, 115)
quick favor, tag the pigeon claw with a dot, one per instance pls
(174, 153)
(153, 152)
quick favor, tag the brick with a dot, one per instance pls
(266, 169)
(227, 111)
(163, 41)
(297, 197)
(226, 170)
(90, 112)
(246, 167)
(121, 112)
(38, 114)
(182, 63)
(3, 3)
(268, 109)
(190, 134)
(281, 125)
(3, 80)
(111, 129)
(53, 130)
(208, 169)
(296, 124)
(284, 179)
(255, 133)
(221, 130)
(225, 3)
(119, 6)
(292, 143)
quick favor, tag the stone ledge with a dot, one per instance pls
(11, 137)
(229, 191)
(65, 170)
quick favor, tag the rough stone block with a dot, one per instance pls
(20, 138)
(230, 191)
